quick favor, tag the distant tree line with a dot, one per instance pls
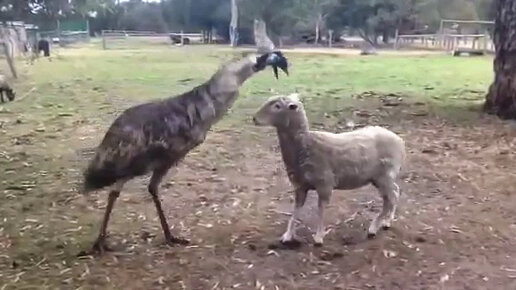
(373, 20)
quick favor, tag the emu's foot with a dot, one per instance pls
(172, 241)
(291, 244)
(99, 248)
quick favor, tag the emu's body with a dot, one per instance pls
(324, 161)
(153, 137)
(6, 89)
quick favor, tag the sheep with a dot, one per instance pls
(324, 161)
(155, 136)
(6, 89)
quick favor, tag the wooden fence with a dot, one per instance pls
(181, 37)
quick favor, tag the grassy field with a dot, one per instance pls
(455, 229)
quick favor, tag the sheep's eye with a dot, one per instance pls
(277, 106)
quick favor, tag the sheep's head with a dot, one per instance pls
(281, 112)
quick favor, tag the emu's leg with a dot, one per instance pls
(300, 198)
(324, 199)
(100, 244)
(389, 191)
(2, 95)
(156, 178)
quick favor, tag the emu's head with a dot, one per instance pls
(281, 112)
(276, 59)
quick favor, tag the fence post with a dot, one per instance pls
(441, 34)
(396, 38)
(88, 30)
(486, 37)
(330, 39)
(103, 40)
(182, 38)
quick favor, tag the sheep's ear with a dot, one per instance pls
(293, 106)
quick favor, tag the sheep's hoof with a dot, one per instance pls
(318, 240)
(177, 241)
(293, 243)
(371, 235)
(290, 244)
(386, 224)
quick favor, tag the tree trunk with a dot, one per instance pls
(501, 98)
(385, 35)
(233, 26)
(316, 32)
(262, 41)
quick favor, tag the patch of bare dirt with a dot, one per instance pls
(455, 228)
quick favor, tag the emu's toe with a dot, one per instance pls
(177, 241)
(99, 248)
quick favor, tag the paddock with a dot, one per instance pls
(231, 197)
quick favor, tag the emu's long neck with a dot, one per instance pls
(224, 85)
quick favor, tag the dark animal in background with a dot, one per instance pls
(44, 45)
(6, 89)
(155, 136)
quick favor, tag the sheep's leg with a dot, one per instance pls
(324, 199)
(156, 178)
(386, 223)
(2, 96)
(389, 191)
(100, 246)
(300, 198)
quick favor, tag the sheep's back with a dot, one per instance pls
(357, 157)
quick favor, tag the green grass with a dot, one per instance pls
(88, 87)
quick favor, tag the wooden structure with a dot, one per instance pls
(450, 40)
(151, 37)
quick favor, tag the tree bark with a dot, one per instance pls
(501, 98)
(263, 42)
(233, 26)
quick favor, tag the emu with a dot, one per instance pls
(6, 89)
(155, 136)
(324, 161)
